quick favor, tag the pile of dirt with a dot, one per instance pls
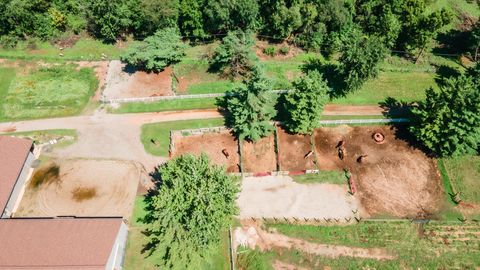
(393, 178)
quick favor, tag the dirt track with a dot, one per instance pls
(114, 184)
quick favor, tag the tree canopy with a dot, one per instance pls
(447, 122)
(235, 56)
(156, 52)
(194, 202)
(303, 105)
(251, 108)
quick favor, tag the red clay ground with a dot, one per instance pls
(259, 156)
(121, 84)
(394, 179)
(292, 150)
(211, 144)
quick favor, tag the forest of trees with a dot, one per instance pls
(311, 24)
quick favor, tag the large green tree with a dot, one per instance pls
(251, 108)
(226, 15)
(111, 20)
(194, 202)
(157, 14)
(156, 52)
(190, 20)
(447, 122)
(235, 56)
(304, 104)
(360, 57)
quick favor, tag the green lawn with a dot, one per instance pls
(43, 136)
(6, 77)
(399, 238)
(464, 174)
(135, 259)
(160, 133)
(85, 49)
(166, 105)
(330, 177)
(403, 86)
(48, 92)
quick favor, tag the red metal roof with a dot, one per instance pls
(60, 243)
(13, 153)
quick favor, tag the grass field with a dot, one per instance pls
(48, 92)
(464, 174)
(43, 136)
(160, 132)
(330, 177)
(442, 246)
(85, 49)
(7, 75)
(403, 86)
(135, 259)
(167, 105)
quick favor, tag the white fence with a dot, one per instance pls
(164, 98)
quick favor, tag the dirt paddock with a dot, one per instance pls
(80, 187)
(393, 178)
(212, 144)
(122, 84)
(293, 150)
(259, 156)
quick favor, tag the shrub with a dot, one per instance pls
(284, 50)
(270, 51)
(8, 42)
(156, 52)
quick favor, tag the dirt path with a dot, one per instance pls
(332, 109)
(270, 240)
(117, 136)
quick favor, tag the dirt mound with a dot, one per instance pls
(393, 178)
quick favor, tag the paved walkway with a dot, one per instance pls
(117, 136)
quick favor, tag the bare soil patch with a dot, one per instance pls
(393, 178)
(84, 188)
(281, 197)
(293, 151)
(122, 84)
(260, 47)
(212, 144)
(259, 156)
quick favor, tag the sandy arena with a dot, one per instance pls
(121, 84)
(392, 178)
(279, 197)
(84, 188)
(259, 156)
(212, 144)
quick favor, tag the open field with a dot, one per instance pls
(7, 75)
(81, 187)
(211, 143)
(166, 105)
(436, 245)
(136, 259)
(259, 156)
(281, 197)
(330, 177)
(293, 150)
(122, 83)
(48, 92)
(393, 178)
(464, 174)
(85, 49)
(160, 133)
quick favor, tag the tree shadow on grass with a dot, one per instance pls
(331, 72)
